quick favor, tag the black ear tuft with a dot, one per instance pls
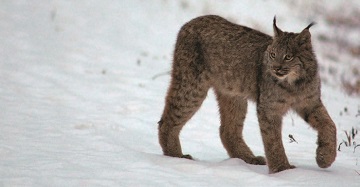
(277, 31)
(274, 21)
(310, 25)
(305, 35)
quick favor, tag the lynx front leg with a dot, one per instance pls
(319, 119)
(232, 114)
(270, 126)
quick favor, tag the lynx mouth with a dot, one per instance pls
(288, 76)
(279, 71)
(280, 74)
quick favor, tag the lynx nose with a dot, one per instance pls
(280, 71)
(276, 68)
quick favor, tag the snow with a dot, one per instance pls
(80, 103)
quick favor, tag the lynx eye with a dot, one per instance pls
(272, 55)
(288, 57)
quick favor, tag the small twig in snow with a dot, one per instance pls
(160, 74)
(356, 147)
(357, 172)
(340, 146)
(292, 139)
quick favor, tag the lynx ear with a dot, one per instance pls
(277, 31)
(305, 35)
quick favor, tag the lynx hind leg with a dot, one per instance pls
(188, 89)
(232, 114)
(183, 99)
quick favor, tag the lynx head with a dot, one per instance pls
(290, 57)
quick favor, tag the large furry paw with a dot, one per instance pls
(259, 160)
(180, 156)
(325, 155)
(280, 168)
(187, 157)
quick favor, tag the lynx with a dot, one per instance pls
(278, 73)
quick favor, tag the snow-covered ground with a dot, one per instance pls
(81, 98)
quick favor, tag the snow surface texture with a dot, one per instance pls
(80, 102)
